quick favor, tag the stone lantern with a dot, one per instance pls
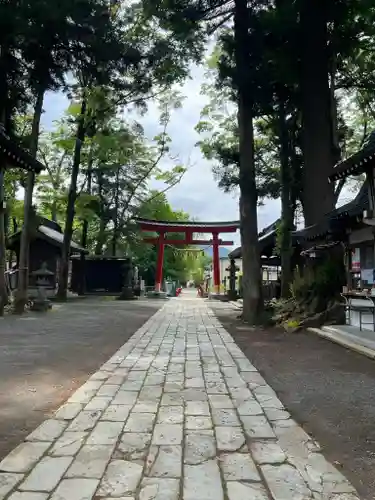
(232, 294)
(44, 280)
(127, 292)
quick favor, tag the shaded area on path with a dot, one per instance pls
(328, 389)
(44, 358)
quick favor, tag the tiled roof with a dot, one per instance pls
(235, 254)
(17, 156)
(354, 208)
(357, 163)
(266, 237)
(54, 237)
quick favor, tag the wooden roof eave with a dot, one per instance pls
(320, 248)
(17, 156)
(313, 232)
(14, 239)
(356, 164)
(235, 254)
(264, 240)
(74, 247)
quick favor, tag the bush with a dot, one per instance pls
(293, 324)
(324, 281)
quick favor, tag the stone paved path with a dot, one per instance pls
(177, 413)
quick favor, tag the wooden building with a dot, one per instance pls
(360, 290)
(45, 247)
(343, 225)
(270, 262)
(100, 275)
(267, 243)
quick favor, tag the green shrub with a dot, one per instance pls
(293, 323)
(324, 280)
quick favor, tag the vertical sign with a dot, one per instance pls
(356, 259)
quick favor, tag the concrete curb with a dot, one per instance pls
(345, 342)
(235, 304)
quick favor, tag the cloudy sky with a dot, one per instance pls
(197, 194)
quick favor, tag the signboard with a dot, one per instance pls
(368, 276)
(356, 259)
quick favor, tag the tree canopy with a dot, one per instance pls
(290, 92)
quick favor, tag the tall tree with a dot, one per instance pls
(108, 55)
(316, 111)
(251, 280)
(125, 67)
(45, 50)
(193, 20)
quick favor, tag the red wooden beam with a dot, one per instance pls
(154, 241)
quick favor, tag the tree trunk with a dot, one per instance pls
(103, 221)
(85, 227)
(318, 152)
(251, 279)
(62, 290)
(335, 127)
(286, 203)
(54, 206)
(115, 218)
(333, 109)
(3, 118)
(11, 253)
(23, 271)
(101, 237)
(3, 289)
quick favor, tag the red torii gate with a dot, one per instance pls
(162, 228)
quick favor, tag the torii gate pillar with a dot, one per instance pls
(159, 263)
(216, 262)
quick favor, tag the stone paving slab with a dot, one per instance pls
(177, 413)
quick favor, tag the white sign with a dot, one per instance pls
(367, 275)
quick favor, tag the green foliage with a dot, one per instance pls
(275, 42)
(323, 280)
(121, 163)
(293, 324)
(198, 268)
(115, 56)
(220, 143)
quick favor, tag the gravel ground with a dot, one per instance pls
(328, 389)
(44, 358)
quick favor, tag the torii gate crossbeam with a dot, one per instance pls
(162, 228)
